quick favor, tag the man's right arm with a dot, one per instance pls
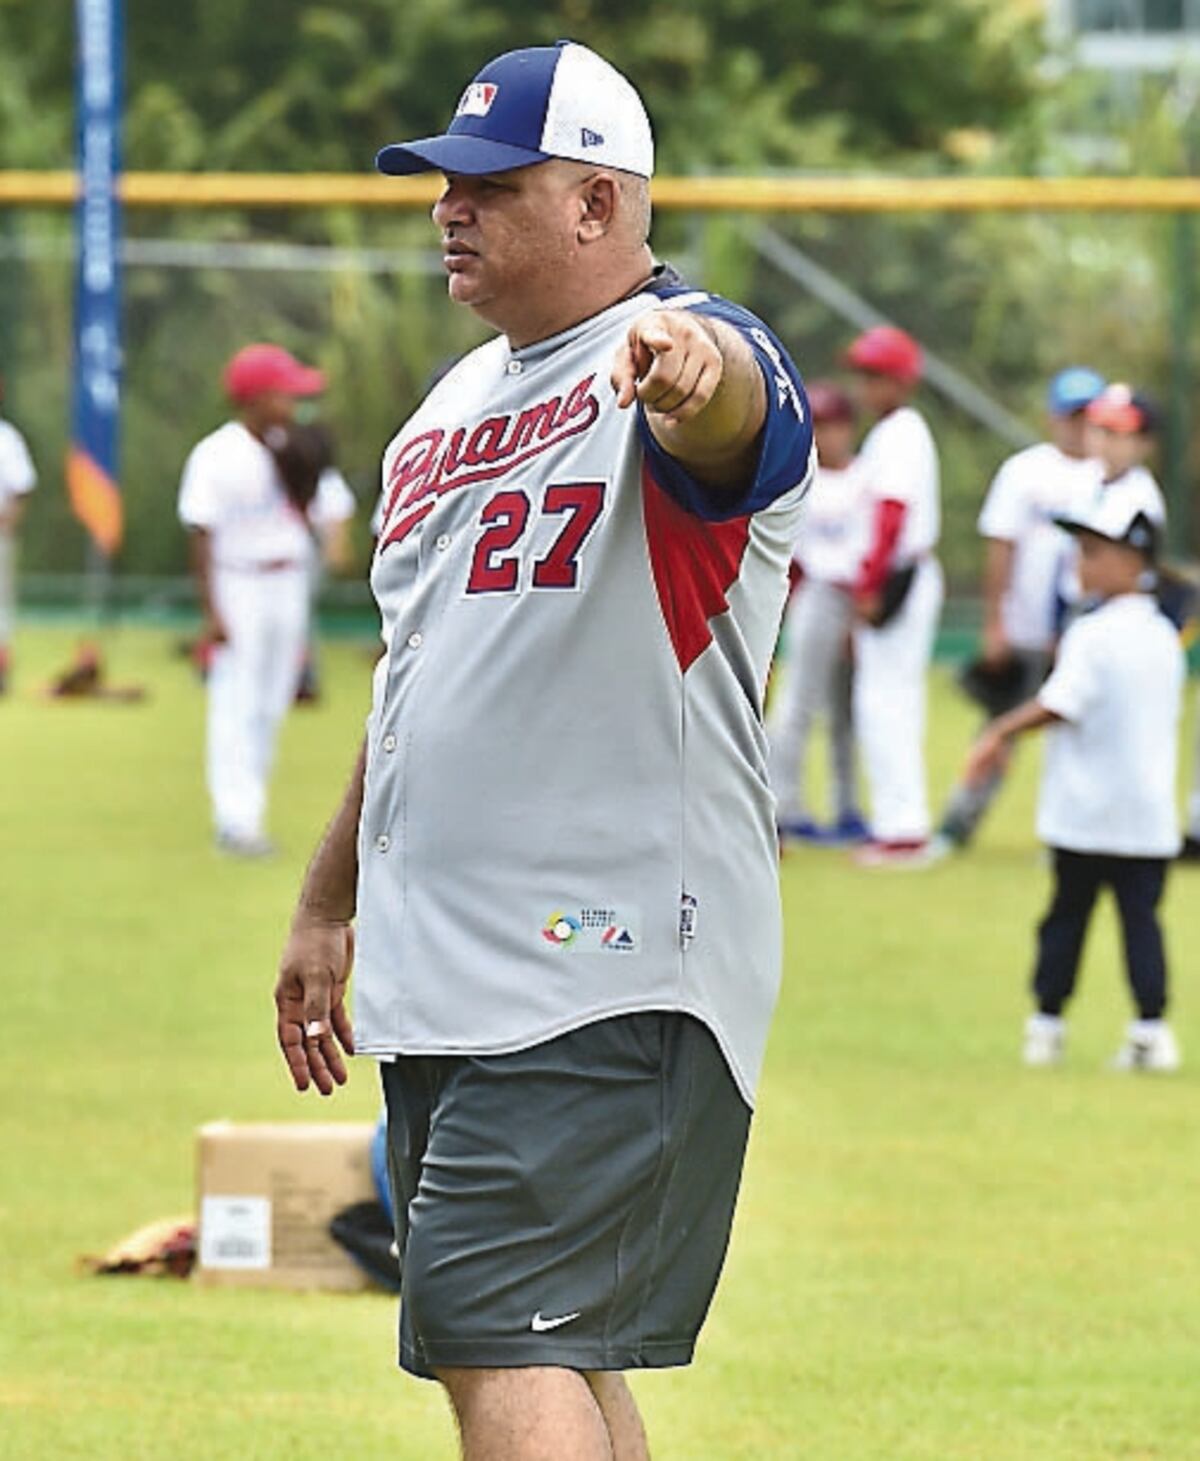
(311, 1017)
(997, 575)
(200, 548)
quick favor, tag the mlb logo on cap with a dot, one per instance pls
(477, 99)
(533, 105)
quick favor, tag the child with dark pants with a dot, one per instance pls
(1107, 803)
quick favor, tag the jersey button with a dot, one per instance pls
(389, 743)
(416, 639)
(514, 367)
(382, 842)
(442, 542)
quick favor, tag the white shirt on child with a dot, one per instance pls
(17, 476)
(1029, 491)
(231, 487)
(833, 532)
(900, 461)
(1108, 780)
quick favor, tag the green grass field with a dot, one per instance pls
(938, 1253)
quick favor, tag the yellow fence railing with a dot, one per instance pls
(698, 194)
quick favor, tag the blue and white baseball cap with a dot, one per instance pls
(531, 105)
(1073, 389)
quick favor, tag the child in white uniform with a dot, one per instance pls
(898, 593)
(1107, 803)
(17, 480)
(817, 677)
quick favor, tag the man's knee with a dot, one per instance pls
(534, 1413)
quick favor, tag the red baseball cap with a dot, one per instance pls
(828, 402)
(256, 369)
(885, 350)
(1123, 410)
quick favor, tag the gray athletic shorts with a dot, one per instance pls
(569, 1204)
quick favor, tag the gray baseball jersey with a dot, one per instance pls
(567, 813)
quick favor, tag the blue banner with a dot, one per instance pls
(92, 465)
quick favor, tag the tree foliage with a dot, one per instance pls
(296, 85)
(736, 85)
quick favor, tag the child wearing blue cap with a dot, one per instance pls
(1022, 571)
(1107, 803)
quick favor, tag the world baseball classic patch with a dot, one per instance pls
(595, 930)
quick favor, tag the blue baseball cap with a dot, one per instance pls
(530, 106)
(1073, 389)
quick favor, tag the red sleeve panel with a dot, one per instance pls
(885, 535)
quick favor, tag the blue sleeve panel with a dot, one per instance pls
(786, 438)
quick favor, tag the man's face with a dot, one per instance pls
(1107, 568)
(1117, 450)
(1069, 432)
(835, 443)
(879, 395)
(508, 237)
(270, 408)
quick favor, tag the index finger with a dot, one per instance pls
(623, 376)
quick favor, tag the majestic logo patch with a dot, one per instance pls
(477, 99)
(588, 138)
(427, 466)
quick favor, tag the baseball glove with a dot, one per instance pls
(302, 451)
(995, 688)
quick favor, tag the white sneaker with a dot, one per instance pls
(1045, 1040)
(1149, 1045)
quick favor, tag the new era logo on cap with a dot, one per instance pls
(528, 106)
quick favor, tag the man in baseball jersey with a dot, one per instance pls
(559, 840)
(17, 481)
(899, 592)
(1023, 568)
(817, 674)
(252, 552)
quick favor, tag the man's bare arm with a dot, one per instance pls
(311, 1017)
(702, 389)
(997, 575)
(991, 749)
(11, 515)
(200, 550)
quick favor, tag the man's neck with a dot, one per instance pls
(609, 287)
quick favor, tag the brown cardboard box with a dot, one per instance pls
(266, 1193)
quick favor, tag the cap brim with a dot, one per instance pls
(472, 156)
(867, 363)
(305, 382)
(1072, 526)
(1124, 420)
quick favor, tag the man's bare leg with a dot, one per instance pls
(535, 1414)
(626, 1432)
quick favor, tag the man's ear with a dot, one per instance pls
(599, 200)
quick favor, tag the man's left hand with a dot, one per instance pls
(671, 363)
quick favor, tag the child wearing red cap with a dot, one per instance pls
(898, 592)
(253, 551)
(817, 677)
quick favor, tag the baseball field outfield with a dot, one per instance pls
(938, 1254)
